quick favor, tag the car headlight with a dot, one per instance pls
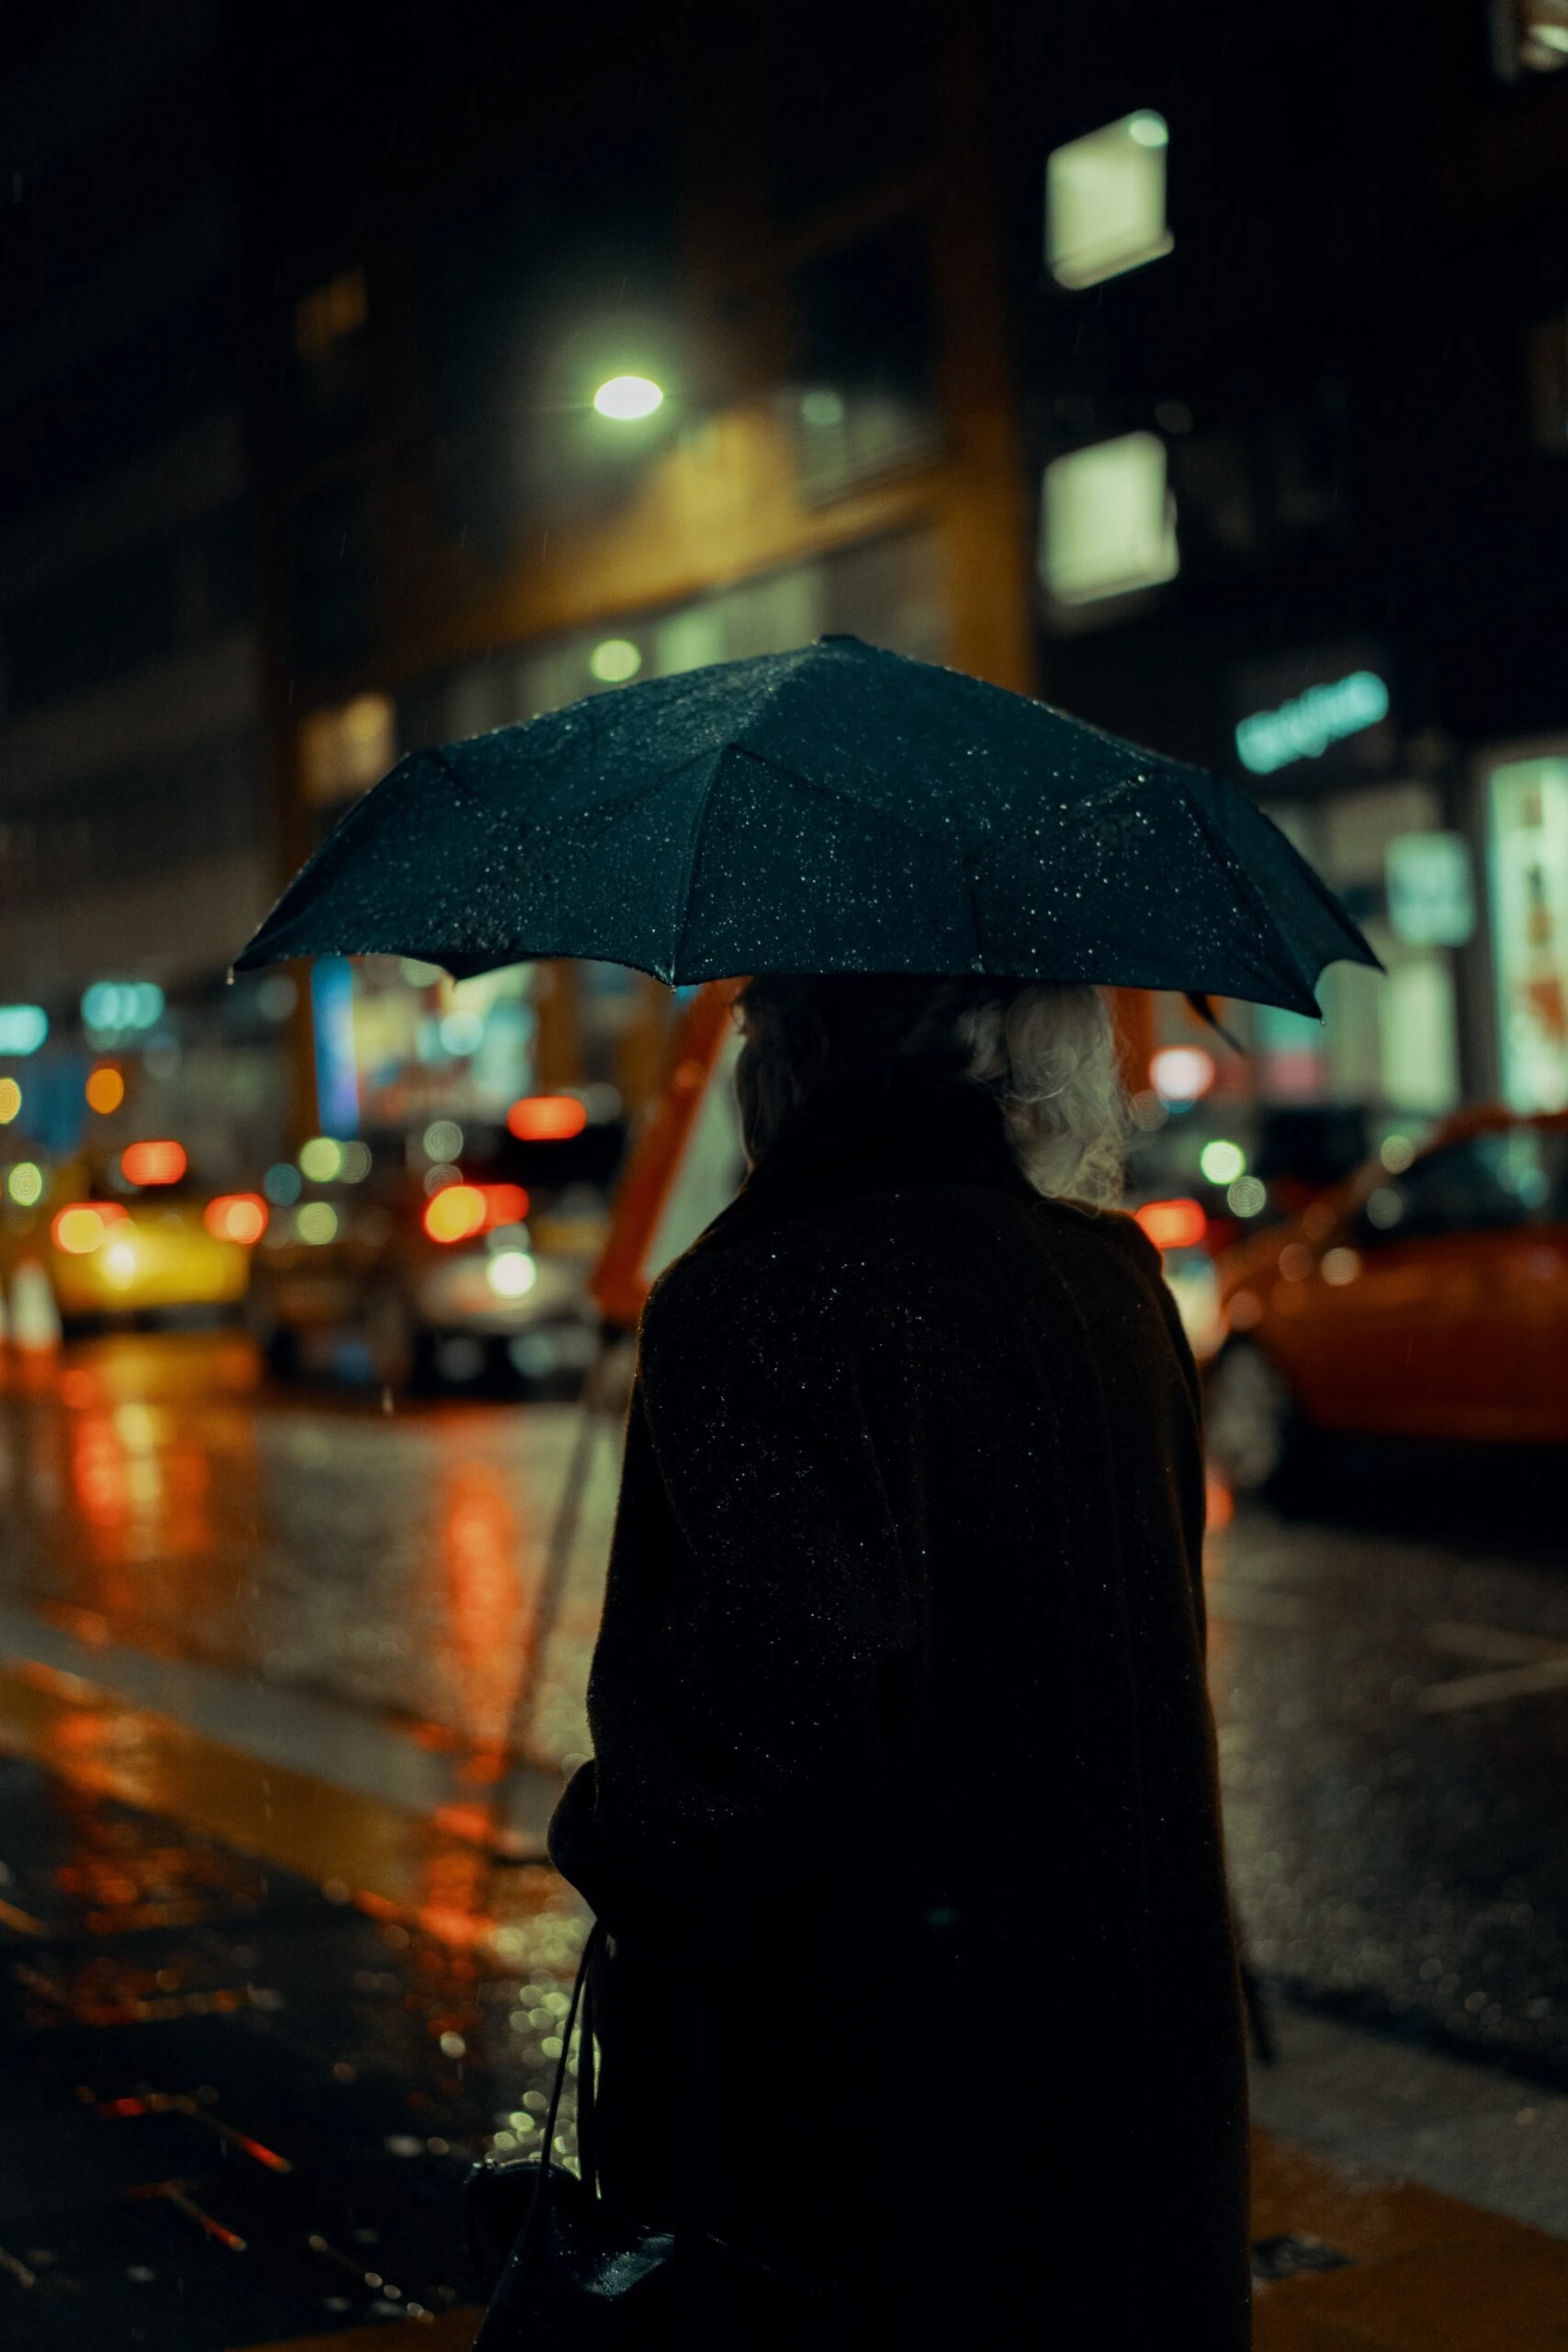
(118, 1262)
(512, 1273)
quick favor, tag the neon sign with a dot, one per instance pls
(1303, 728)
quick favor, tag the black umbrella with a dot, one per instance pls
(836, 809)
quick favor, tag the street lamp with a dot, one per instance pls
(627, 398)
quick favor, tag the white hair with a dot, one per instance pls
(1046, 1052)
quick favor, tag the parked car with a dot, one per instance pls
(458, 1289)
(1423, 1300)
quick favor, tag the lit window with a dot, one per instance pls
(1105, 202)
(1529, 37)
(1528, 864)
(1108, 521)
(344, 750)
(330, 314)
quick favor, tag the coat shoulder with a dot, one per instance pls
(790, 1265)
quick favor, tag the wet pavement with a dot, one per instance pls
(1394, 1730)
(277, 1956)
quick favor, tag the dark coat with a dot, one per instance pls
(903, 1802)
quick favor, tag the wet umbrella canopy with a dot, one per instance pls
(836, 809)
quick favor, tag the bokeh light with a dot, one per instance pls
(615, 659)
(160, 1162)
(457, 1211)
(25, 1183)
(546, 1118)
(626, 397)
(443, 1139)
(236, 1217)
(83, 1225)
(1173, 1225)
(1223, 1162)
(10, 1101)
(322, 1158)
(1181, 1073)
(511, 1273)
(105, 1089)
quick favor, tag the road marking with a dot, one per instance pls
(1524, 1666)
(1485, 1690)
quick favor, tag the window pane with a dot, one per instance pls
(1105, 202)
(1484, 1185)
(1107, 522)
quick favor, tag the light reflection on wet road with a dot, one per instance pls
(157, 1495)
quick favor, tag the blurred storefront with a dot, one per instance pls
(1526, 825)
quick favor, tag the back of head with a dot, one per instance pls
(1047, 1054)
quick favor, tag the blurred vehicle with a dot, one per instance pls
(410, 1288)
(1423, 1299)
(156, 1249)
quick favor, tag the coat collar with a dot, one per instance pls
(881, 1127)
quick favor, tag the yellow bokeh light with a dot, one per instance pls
(322, 1158)
(615, 659)
(10, 1101)
(316, 1223)
(106, 1089)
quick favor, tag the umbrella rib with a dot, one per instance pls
(1217, 844)
(693, 851)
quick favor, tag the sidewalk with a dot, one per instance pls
(254, 2021)
(1435, 2188)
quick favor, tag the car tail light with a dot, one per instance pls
(546, 1118)
(505, 1204)
(236, 1217)
(153, 1163)
(1173, 1225)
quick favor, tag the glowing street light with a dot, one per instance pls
(626, 397)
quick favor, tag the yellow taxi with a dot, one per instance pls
(152, 1247)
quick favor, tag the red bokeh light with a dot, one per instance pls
(505, 1204)
(236, 1217)
(153, 1163)
(1173, 1225)
(546, 1118)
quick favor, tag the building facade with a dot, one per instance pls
(786, 224)
(135, 826)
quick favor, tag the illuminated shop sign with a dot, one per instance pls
(1304, 726)
(1431, 901)
(1529, 827)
